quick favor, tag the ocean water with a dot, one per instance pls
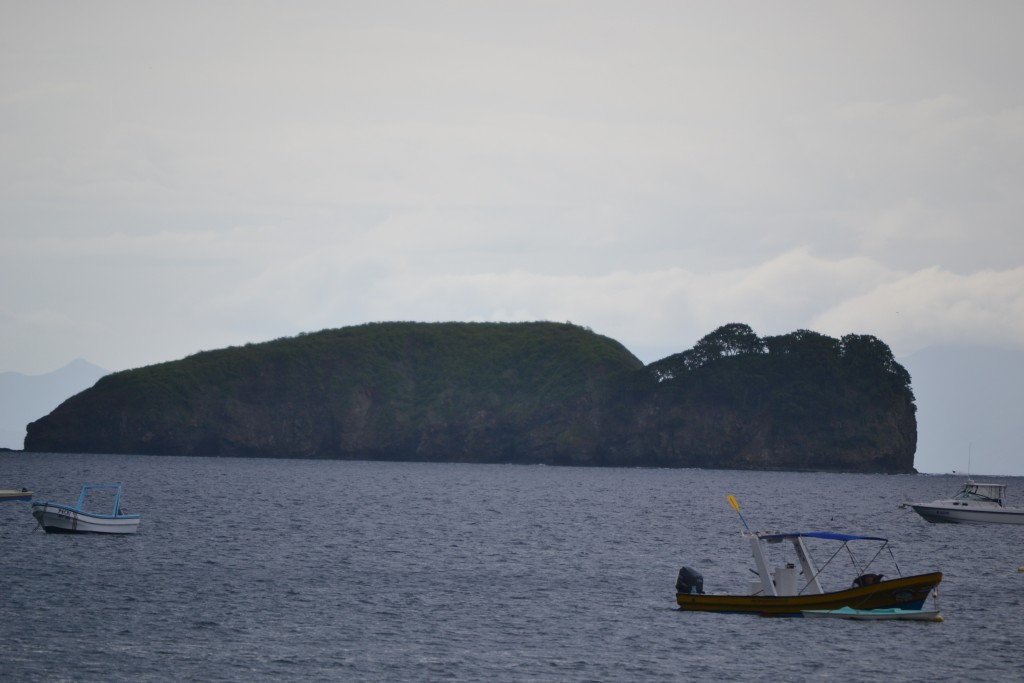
(277, 570)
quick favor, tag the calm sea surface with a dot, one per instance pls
(275, 570)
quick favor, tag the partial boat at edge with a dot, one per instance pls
(974, 503)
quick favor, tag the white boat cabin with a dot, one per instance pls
(987, 493)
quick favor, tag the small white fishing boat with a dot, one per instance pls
(13, 494)
(894, 614)
(975, 503)
(56, 518)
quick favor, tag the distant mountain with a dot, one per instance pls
(24, 398)
(969, 403)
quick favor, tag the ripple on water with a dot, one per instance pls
(248, 570)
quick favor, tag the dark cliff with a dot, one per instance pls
(509, 392)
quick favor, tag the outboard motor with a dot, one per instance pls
(689, 581)
(867, 580)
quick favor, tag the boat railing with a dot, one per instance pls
(80, 511)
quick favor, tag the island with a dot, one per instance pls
(525, 393)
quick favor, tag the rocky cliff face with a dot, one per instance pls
(511, 393)
(883, 440)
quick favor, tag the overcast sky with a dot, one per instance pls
(178, 177)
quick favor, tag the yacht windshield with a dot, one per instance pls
(968, 494)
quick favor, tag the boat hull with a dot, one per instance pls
(63, 519)
(874, 615)
(943, 514)
(10, 494)
(907, 593)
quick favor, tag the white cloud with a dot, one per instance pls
(933, 307)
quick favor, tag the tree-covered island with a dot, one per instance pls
(528, 393)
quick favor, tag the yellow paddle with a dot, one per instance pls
(736, 506)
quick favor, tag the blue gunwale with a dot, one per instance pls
(79, 511)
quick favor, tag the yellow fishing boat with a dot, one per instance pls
(793, 587)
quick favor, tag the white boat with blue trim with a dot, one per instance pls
(56, 518)
(975, 503)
